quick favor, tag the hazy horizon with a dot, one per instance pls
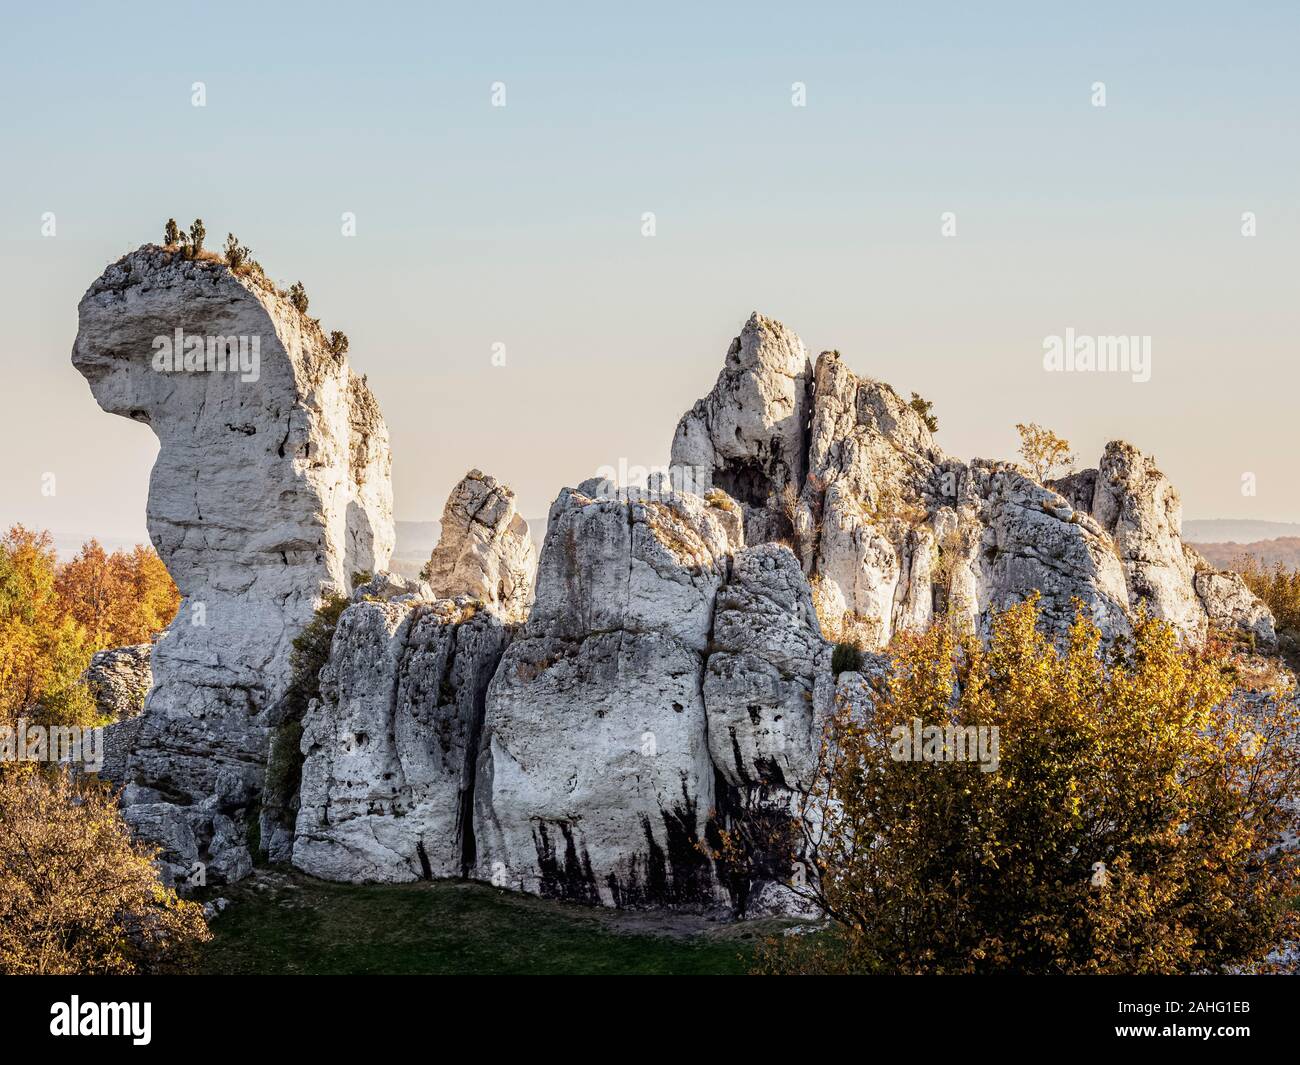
(522, 225)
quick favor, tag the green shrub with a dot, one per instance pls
(197, 233)
(283, 767)
(846, 658)
(338, 343)
(311, 649)
(172, 233)
(236, 254)
(924, 407)
(298, 297)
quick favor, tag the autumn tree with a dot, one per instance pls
(1278, 587)
(43, 651)
(122, 598)
(77, 895)
(1136, 821)
(1043, 451)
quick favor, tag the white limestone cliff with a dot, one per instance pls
(485, 550)
(271, 487)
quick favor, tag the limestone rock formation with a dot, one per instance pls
(594, 780)
(1231, 607)
(390, 749)
(890, 529)
(575, 726)
(119, 679)
(768, 694)
(485, 551)
(767, 685)
(271, 486)
(748, 436)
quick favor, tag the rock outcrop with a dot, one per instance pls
(271, 486)
(891, 529)
(580, 726)
(594, 780)
(119, 679)
(390, 748)
(748, 436)
(485, 551)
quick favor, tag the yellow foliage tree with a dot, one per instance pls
(1042, 450)
(1137, 760)
(122, 598)
(43, 652)
(53, 618)
(76, 894)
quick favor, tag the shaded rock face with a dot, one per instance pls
(485, 551)
(119, 679)
(271, 486)
(768, 693)
(748, 436)
(594, 780)
(390, 748)
(767, 685)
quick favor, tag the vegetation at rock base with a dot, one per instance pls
(283, 767)
(1139, 757)
(77, 895)
(925, 409)
(1043, 451)
(311, 649)
(54, 617)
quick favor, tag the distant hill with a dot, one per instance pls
(1284, 549)
(1240, 531)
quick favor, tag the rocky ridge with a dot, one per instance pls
(582, 724)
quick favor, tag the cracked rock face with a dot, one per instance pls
(485, 550)
(768, 693)
(748, 436)
(271, 486)
(390, 748)
(594, 780)
(768, 685)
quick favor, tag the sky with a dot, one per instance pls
(523, 225)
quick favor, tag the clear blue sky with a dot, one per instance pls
(521, 224)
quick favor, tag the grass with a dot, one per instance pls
(287, 923)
